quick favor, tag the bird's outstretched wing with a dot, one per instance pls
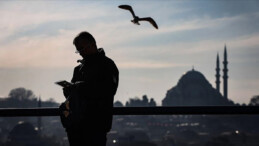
(127, 7)
(149, 19)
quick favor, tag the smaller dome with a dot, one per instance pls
(23, 129)
(24, 134)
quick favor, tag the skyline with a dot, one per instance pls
(37, 50)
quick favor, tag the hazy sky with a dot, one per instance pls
(36, 44)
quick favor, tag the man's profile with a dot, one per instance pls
(94, 84)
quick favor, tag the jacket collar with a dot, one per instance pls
(100, 53)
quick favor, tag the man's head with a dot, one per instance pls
(85, 44)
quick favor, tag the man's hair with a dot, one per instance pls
(84, 36)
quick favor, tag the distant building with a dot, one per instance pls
(193, 89)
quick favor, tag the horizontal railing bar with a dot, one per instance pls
(177, 110)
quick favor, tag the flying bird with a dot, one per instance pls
(136, 19)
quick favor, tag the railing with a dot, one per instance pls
(177, 110)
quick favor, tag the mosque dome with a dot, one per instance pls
(193, 89)
(191, 77)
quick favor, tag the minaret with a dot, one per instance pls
(225, 74)
(217, 74)
(39, 118)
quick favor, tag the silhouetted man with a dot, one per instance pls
(95, 82)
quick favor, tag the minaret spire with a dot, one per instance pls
(217, 74)
(225, 74)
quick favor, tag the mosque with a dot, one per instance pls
(193, 89)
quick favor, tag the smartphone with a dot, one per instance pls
(63, 83)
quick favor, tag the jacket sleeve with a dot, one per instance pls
(109, 87)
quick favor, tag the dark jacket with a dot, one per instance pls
(96, 81)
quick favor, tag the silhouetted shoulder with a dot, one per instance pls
(109, 60)
(111, 64)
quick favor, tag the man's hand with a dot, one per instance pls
(67, 90)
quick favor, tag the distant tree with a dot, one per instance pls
(118, 104)
(243, 104)
(152, 102)
(144, 100)
(254, 101)
(49, 103)
(25, 98)
(136, 102)
(232, 102)
(133, 102)
(51, 99)
(22, 94)
(127, 104)
(237, 104)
